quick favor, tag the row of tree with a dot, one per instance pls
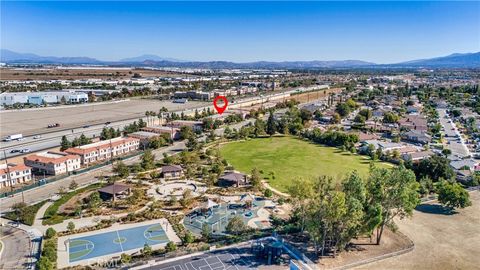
(79, 141)
(332, 215)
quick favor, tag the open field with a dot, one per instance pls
(75, 74)
(25, 121)
(291, 158)
(442, 241)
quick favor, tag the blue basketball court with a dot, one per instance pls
(117, 241)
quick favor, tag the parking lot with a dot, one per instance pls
(16, 248)
(238, 258)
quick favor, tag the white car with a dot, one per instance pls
(26, 150)
(37, 137)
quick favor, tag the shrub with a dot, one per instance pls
(171, 247)
(50, 233)
(44, 264)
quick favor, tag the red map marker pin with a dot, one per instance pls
(220, 110)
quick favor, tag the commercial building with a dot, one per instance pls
(39, 98)
(53, 163)
(195, 95)
(104, 150)
(12, 174)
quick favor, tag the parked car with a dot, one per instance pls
(86, 126)
(26, 150)
(108, 123)
(37, 137)
(14, 151)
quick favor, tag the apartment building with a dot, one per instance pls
(12, 174)
(53, 163)
(104, 150)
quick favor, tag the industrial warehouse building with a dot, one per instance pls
(39, 98)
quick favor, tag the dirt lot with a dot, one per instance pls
(74, 74)
(442, 241)
(311, 96)
(12, 122)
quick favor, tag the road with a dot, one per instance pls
(454, 139)
(53, 139)
(49, 190)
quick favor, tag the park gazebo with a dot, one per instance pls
(233, 179)
(114, 190)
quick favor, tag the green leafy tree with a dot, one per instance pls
(236, 226)
(50, 233)
(71, 226)
(94, 200)
(453, 195)
(206, 232)
(188, 238)
(148, 160)
(171, 247)
(121, 169)
(255, 179)
(147, 250)
(271, 125)
(65, 143)
(395, 191)
(44, 264)
(125, 258)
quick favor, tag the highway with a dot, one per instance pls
(49, 190)
(51, 138)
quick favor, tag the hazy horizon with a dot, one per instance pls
(379, 32)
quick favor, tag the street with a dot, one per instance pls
(455, 142)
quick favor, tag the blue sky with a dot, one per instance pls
(381, 32)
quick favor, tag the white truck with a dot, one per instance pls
(17, 137)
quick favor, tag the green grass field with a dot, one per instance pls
(289, 158)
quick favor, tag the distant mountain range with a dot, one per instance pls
(456, 60)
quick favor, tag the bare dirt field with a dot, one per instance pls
(442, 241)
(75, 74)
(26, 121)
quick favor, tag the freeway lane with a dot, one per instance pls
(47, 191)
(53, 139)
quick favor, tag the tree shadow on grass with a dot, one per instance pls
(436, 209)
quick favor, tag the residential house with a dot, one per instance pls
(417, 136)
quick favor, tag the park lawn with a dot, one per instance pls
(290, 157)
